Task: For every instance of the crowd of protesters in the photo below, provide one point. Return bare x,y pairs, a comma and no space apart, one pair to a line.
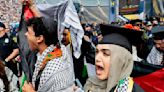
10,11
58,70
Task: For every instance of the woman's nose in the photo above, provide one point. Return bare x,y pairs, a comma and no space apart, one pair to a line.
98,57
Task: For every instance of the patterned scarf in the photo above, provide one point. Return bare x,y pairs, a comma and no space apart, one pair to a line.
40,58
57,73
123,85
155,57
56,53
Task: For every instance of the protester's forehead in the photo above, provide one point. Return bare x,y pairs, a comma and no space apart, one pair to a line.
102,46
66,30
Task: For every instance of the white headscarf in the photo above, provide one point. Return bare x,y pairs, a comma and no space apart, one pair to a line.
121,66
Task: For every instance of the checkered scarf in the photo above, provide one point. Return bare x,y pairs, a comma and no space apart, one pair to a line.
155,57
123,85
57,74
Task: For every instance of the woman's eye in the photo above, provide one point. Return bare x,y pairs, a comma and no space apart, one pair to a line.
106,54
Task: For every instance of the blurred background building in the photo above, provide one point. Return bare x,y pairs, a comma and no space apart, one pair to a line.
10,11
100,11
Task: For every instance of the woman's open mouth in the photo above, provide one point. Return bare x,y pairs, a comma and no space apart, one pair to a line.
99,69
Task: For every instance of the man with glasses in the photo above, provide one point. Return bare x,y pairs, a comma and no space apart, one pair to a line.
156,56
136,23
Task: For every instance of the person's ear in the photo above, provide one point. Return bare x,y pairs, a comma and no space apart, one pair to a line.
39,39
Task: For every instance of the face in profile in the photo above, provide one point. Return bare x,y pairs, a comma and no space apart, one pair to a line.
31,38
2,31
102,61
66,37
159,44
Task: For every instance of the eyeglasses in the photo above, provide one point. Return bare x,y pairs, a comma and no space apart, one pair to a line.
138,24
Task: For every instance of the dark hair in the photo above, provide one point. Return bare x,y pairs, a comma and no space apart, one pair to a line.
45,27
88,25
3,76
67,28
2,25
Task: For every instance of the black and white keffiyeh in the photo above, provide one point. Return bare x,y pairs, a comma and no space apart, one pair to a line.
155,57
123,87
57,73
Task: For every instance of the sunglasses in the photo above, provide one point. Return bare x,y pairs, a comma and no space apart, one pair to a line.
138,24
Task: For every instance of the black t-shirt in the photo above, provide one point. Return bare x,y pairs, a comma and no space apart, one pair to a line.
6,46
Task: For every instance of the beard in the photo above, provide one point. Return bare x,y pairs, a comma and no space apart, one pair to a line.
162,51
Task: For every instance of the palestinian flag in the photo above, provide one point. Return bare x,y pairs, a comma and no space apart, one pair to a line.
25,53
66,16
149,77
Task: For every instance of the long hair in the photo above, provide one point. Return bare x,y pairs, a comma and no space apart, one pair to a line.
3,76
